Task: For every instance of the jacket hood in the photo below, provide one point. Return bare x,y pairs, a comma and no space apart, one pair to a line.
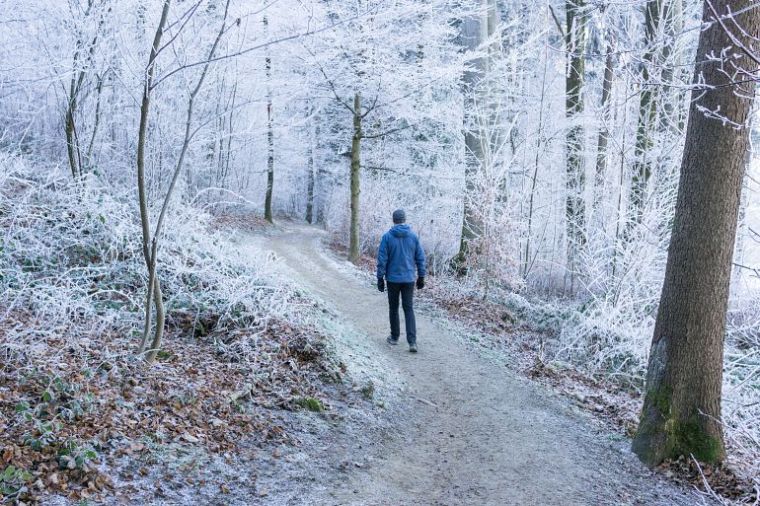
401,230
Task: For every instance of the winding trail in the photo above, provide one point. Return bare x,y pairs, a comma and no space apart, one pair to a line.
466,430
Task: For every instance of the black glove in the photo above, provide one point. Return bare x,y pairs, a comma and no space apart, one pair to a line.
381,284
420,283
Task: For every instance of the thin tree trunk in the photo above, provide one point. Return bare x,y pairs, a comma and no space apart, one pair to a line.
310,174
661,18
575,214
353,245
96,125
621,191
600,173
681,413
230,132
77,79
319,195
152,256
527,265
475,31
141,190
72,148
673,25
270,139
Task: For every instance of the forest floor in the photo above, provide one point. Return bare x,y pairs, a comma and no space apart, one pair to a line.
450,425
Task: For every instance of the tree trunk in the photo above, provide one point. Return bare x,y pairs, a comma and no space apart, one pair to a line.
270,139
662,17
600,172
668,117
642,166
141,189
96,122
742,225
310,175
528,261
681,412
83,55
474,32
319,194
353,246
575,213
152,256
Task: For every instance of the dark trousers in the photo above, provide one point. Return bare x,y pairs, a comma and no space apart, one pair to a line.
406,290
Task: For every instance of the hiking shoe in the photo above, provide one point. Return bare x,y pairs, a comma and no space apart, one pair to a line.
391,340
412,348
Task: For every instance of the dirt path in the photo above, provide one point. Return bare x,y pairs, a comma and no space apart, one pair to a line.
466,431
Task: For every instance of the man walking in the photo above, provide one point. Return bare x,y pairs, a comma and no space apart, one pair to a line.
401,261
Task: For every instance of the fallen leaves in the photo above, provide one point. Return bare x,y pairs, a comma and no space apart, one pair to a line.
65,418
719,478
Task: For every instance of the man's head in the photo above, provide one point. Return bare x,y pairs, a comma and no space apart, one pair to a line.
399,216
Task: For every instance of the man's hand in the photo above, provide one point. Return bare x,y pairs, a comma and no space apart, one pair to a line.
420,283
381,284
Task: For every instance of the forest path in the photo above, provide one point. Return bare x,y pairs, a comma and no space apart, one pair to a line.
469,432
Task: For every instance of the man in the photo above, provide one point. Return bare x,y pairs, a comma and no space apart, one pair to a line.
401,261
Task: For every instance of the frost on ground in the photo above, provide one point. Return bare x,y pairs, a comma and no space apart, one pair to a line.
274,385
596,356
458,428
594,353
244,359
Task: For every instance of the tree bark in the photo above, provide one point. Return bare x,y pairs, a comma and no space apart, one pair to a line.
353,245
681,412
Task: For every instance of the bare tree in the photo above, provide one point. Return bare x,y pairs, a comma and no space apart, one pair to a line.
151,240
84,53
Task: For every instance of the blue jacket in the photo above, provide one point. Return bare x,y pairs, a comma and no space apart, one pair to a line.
400,251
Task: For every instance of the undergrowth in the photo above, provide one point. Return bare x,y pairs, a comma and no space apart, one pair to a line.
75,403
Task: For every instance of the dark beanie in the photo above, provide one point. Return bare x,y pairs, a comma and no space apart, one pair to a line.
399,216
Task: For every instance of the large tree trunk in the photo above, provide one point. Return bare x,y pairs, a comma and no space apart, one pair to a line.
353,246
681,413
575,213
270,139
